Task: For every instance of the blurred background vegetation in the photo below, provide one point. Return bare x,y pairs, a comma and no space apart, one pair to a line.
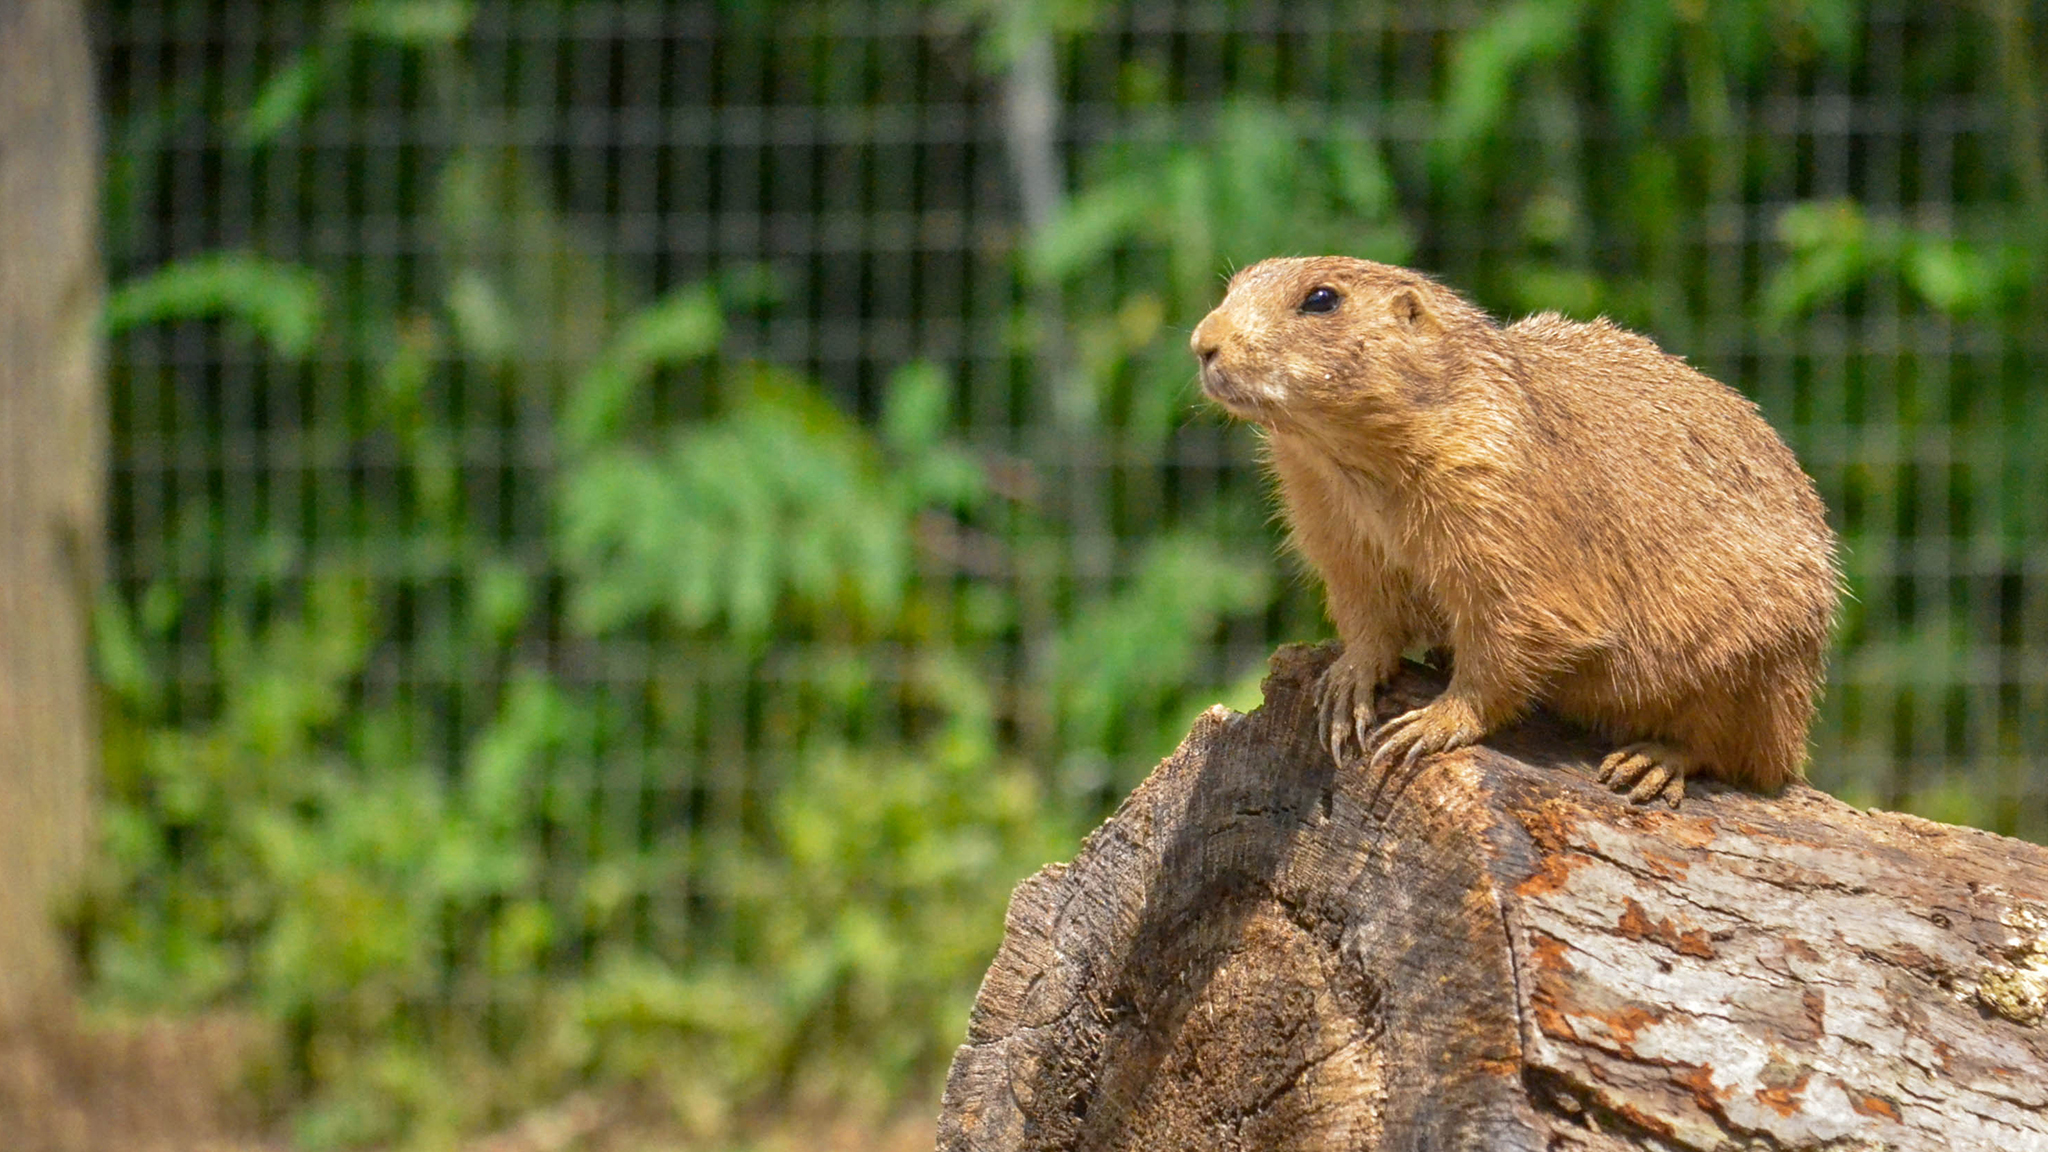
634,524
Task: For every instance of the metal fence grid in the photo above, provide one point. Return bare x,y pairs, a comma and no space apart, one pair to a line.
862,152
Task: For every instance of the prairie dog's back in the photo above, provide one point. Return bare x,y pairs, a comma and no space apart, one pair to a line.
1690,488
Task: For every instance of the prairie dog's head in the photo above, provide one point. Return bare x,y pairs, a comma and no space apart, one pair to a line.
1322,339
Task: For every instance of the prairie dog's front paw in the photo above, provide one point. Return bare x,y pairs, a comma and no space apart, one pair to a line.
1344,706
1441,725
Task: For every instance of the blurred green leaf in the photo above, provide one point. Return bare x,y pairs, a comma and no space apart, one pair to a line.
285,98
1834,248
281,303
782,502
118,657
483,320
1090,226
500,602
1138,648
1486,63
683,326
1834,26
1950,276
1266,181
1542,285
1829,252
1641,38
914,413
1005,27
505,760
413,23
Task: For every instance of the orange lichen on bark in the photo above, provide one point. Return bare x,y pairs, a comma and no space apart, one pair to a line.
1783,1099
1637,925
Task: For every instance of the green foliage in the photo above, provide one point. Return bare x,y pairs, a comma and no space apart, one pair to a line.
412,23
1004,27
286,96
282,692
409,917
1835,248
280,304
1267,181
685,326
1643,46
778,515
1126,663
295,87
1264,182
303,853
861,923
1524,35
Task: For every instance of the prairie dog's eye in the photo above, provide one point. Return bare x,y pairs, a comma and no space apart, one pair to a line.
1321,299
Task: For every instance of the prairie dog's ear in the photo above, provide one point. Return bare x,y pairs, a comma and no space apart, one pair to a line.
1412,311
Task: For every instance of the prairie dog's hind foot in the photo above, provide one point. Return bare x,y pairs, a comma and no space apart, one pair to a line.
1647,770
1346,694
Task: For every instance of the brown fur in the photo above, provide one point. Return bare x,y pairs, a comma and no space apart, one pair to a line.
1584,520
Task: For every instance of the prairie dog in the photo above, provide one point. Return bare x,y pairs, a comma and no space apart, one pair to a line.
1582,519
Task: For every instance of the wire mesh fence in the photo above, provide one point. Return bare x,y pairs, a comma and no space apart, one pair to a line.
628,438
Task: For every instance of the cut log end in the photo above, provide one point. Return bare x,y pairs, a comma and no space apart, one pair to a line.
1261,951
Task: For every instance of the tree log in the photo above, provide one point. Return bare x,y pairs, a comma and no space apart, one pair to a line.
1259,950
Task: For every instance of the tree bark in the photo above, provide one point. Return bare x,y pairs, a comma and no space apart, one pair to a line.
1259,950
51,469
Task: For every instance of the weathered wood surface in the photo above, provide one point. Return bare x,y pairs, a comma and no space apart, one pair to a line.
1260,951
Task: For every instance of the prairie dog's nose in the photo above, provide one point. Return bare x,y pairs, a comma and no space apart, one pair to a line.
1208,337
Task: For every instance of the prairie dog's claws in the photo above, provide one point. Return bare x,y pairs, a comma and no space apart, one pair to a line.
1344,711
1389,743
1651,785
1438,726
1646,771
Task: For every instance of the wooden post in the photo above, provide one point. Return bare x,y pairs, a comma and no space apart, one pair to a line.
51,477
1260,951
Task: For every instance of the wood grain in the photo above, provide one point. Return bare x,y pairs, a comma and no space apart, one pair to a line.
1260,951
